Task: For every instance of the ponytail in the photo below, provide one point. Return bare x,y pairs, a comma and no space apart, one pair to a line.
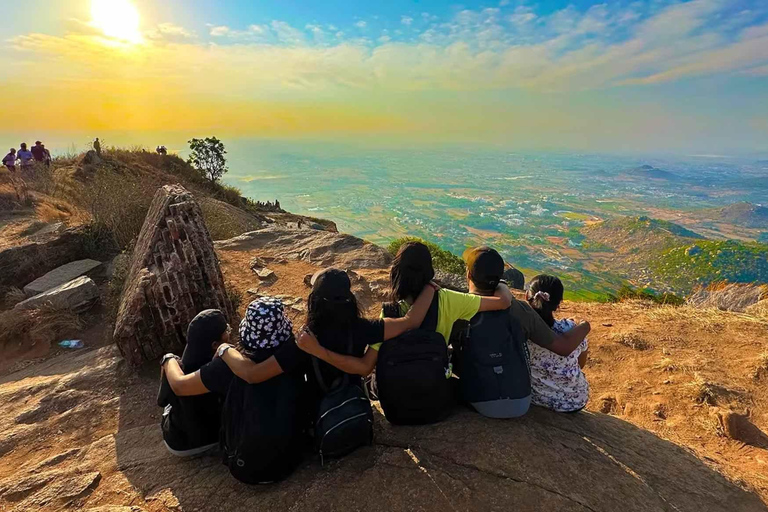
545,293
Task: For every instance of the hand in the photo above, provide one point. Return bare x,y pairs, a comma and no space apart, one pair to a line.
222,349
307,342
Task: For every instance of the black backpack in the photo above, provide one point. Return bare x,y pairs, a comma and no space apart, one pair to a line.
411,374
494,360
344,418
262,428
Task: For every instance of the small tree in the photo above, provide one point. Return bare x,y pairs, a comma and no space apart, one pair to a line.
207,156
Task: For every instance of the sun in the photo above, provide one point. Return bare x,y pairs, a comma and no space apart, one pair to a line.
116,18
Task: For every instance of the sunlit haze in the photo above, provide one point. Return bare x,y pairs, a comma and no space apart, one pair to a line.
688,77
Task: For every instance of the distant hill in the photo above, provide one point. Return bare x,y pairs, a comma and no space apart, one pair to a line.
650,172
669,257
744,214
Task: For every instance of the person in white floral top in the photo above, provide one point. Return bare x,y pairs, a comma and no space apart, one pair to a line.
557,382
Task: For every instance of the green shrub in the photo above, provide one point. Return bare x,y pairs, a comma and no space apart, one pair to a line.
441,259
627,292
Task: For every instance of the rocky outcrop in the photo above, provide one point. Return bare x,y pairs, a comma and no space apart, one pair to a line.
514,278
322,248
59,276
110,454
76,295
22,264
174,274
728,297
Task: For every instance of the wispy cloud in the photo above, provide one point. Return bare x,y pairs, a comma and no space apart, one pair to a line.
510,48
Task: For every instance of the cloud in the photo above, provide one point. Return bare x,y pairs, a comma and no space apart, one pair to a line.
361,24
406,20
219,31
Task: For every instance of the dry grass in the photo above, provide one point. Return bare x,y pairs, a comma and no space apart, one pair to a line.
710,319
667,365
761,369
631,340
702,391
43,325
13,297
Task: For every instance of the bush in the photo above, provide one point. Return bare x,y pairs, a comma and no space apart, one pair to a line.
627,292
441,259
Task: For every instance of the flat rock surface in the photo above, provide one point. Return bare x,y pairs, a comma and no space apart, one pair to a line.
59,276
81,432
321,248
74,295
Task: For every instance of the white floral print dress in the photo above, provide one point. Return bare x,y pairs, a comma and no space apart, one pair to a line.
557,382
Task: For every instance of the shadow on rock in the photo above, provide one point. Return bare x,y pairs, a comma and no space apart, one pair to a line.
544,461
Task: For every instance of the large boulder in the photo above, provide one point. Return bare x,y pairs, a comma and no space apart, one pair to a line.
23,263
514,278
174,274
76,295
59,276
322,248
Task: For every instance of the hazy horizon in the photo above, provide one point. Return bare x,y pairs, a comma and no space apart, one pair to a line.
643,76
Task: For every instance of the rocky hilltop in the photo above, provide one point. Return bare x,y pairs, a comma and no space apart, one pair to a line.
676,420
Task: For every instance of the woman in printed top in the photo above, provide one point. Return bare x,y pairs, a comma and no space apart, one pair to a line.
333,319
193,386
410,277
557,381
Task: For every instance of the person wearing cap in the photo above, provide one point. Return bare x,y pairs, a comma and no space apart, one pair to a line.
411,279
38,151
201,377
485,268
334,319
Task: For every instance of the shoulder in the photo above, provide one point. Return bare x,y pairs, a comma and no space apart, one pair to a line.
563,325
522,311
369,332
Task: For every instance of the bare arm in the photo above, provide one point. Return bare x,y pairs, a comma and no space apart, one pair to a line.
502,299
394,327
583,359
251,372
181,384
567,342
348,364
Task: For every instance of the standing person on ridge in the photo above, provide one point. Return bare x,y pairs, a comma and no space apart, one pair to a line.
97,146
9,160
38,151
25,156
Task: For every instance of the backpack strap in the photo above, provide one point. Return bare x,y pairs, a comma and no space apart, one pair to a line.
319,375
512,323
430,320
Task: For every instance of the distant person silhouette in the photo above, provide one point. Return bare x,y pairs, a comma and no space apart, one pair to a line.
9,160
46,156
161,150
24,155
97,146
38,151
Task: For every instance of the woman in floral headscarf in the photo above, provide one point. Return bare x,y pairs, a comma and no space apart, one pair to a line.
266,339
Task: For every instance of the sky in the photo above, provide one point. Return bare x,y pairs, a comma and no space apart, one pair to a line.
647,75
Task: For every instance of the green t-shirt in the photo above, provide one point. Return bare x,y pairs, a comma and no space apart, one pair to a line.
451,306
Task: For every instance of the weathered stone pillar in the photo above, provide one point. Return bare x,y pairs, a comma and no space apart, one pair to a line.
174,274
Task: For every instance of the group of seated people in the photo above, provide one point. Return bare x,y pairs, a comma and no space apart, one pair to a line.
276,396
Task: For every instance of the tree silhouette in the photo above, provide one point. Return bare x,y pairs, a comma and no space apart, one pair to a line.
207,156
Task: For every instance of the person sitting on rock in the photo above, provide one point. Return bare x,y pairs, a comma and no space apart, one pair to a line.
411,276
9,160
194,384
502,389
333,317
557,379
